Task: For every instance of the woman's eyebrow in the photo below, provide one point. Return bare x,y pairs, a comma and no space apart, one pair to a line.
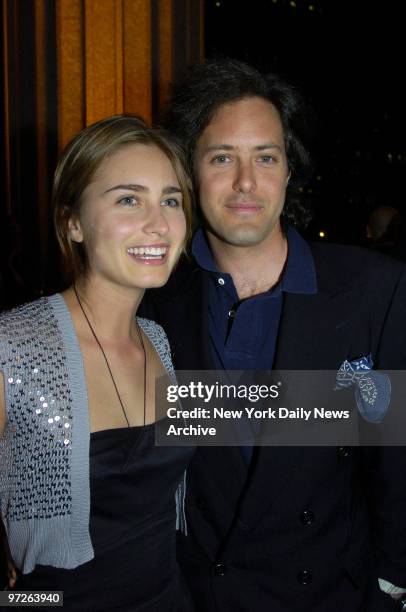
129,186
171,189
142,188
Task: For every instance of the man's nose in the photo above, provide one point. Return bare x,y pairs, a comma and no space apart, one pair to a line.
244,180
156,222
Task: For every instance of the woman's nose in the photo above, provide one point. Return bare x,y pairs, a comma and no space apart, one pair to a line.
156,222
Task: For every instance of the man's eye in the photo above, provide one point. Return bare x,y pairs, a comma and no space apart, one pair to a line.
128,201
267,159
220,159
171,202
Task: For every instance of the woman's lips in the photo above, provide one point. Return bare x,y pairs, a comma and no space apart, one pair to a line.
149,255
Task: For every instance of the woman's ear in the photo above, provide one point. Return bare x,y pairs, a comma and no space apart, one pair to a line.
75,230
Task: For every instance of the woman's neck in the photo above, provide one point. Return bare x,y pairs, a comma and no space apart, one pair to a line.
110,309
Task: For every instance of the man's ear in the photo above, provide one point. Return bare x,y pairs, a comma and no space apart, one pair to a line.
75,229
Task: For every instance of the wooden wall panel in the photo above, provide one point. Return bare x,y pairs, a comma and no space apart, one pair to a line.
41,109
165,37
22,266
178,42
187,35
6,36
70,69
193,33
137,58
108,62
66,64
103,30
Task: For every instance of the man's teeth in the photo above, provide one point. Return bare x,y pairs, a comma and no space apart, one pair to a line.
147,251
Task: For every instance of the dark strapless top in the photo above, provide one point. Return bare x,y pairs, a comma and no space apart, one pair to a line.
132,528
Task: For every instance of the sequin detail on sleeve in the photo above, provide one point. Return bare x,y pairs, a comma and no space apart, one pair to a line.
36,446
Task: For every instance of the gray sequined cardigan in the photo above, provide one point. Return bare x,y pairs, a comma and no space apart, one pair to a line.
44,452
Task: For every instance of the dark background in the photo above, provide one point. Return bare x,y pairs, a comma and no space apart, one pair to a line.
346,56
348,59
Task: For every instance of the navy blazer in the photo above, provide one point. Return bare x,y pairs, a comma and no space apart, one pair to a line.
307,529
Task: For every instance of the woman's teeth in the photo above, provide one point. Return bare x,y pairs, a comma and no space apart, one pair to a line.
150,252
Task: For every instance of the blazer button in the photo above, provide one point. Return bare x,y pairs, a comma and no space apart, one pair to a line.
219,569
307,517
304,577
243,526
201,503
343,452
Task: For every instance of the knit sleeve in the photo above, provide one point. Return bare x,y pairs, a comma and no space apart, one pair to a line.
159,340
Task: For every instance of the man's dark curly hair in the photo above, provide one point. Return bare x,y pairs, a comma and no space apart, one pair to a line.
208,86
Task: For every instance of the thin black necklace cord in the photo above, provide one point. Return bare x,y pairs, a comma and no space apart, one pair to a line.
107,363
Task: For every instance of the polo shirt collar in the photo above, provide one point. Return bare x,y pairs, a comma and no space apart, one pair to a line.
299,275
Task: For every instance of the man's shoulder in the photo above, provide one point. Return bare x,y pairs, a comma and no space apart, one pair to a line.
354,265
338,253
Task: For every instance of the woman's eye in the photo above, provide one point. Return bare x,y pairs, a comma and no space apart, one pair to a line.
171,202
128,201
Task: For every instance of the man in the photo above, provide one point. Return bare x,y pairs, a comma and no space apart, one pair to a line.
289,529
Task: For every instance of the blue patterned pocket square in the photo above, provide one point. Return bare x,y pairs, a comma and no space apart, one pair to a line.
372,389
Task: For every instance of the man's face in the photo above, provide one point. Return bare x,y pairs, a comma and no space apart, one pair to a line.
242,172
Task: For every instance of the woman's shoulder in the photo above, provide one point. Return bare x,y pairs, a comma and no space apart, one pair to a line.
26,321
159,340
153,330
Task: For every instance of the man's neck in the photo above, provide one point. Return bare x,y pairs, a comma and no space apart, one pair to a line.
254,269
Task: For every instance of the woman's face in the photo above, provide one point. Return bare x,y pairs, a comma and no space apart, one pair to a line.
131,219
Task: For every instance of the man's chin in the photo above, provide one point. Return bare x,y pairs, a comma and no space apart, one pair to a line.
246,238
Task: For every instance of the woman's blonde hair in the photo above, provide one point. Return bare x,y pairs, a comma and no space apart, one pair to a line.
80,160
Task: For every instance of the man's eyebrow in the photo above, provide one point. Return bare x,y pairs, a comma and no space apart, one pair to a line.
142,189
219,147
268,145
226,147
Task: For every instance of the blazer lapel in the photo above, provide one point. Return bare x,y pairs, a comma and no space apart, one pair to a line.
317,331
183,312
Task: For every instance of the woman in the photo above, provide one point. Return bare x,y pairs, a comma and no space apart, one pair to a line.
87,498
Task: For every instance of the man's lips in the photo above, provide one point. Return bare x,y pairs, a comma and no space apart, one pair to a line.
244,208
